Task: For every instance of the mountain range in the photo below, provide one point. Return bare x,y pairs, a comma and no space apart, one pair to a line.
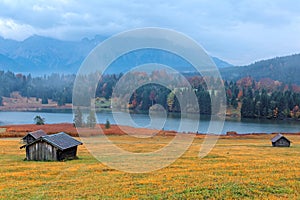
40,55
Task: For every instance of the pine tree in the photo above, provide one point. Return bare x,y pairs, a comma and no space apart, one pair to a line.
78,120
44,100
247,110
91,119
107,124
39,120
234,103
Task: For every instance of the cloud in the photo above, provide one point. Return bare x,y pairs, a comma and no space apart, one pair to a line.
9,27
237,31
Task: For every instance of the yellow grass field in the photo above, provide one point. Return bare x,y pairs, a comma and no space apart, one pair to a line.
242,167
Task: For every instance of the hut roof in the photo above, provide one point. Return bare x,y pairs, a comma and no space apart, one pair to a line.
277,137
36,134
60,140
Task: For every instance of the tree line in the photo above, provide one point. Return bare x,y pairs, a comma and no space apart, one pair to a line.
252,99
56,87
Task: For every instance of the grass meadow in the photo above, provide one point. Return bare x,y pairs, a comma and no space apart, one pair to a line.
239,167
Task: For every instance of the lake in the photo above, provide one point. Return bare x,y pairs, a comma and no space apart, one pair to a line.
171,123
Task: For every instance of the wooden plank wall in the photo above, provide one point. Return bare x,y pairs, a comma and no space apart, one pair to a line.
41,151
68,153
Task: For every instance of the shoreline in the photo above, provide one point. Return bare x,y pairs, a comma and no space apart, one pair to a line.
20,130
69,108
34,109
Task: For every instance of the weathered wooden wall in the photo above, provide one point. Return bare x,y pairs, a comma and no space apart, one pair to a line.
28,139
282,142
41,151
67,154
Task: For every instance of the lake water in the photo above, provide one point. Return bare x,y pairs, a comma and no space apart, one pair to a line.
171,123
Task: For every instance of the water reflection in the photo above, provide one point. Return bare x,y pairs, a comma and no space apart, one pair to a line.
171,122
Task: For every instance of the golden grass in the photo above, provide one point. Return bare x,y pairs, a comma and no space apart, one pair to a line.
237,168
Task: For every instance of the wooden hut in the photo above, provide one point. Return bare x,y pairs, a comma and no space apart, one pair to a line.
59,147
280,141
32,136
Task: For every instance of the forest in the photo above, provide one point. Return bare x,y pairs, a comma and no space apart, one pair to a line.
266,98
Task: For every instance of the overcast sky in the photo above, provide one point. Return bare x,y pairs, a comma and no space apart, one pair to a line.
238,31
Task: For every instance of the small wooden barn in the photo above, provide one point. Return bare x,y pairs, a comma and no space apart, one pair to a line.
32,136
58,147
280,141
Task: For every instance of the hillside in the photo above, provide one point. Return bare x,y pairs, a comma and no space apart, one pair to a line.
284,69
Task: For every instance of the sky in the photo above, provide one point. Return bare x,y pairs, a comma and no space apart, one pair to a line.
239,32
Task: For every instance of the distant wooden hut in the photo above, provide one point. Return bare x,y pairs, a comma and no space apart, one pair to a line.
32,136
280,141
231,133
58,147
